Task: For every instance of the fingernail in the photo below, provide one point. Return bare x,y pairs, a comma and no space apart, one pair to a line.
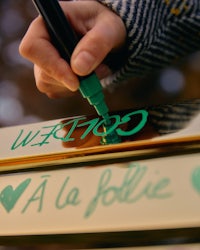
83,63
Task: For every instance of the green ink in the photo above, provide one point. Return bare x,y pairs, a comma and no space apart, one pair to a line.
74,125
150,190
130,190
135,130
104,180
71,198
108,132
92,124
38,195
131,182
9,196
196,179
157,189
25,141
110,129
52,132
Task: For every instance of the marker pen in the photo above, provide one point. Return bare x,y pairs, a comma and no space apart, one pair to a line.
65,40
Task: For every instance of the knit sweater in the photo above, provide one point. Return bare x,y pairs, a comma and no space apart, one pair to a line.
174,117
158,33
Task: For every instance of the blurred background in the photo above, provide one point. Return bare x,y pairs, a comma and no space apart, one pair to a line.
21,102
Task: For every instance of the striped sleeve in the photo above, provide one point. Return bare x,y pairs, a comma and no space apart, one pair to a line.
158,33
171,118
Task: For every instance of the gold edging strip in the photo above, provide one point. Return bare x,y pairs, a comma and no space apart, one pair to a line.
137,150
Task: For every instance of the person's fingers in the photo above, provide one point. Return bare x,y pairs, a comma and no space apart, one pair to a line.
101,31
108,33
48,85
37,48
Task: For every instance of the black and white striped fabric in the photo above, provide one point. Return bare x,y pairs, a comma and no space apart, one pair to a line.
158,32
171,118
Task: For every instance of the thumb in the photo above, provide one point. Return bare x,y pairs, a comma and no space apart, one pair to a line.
94,46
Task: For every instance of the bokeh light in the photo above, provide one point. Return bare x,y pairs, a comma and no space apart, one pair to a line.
11,22
172,81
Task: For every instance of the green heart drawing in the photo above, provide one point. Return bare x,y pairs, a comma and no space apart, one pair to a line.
10,196
196,179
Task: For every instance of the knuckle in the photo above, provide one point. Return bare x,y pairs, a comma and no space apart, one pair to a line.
44,77
42,86
42,81
55,70
52,95
25,48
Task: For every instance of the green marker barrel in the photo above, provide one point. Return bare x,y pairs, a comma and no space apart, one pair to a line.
91,89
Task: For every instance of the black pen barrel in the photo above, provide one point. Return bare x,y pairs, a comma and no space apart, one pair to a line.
62,35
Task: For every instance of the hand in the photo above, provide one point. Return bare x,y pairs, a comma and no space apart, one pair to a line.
102,31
